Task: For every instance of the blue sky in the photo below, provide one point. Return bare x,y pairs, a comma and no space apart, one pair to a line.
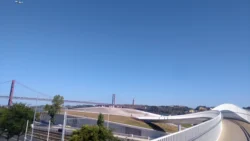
158,52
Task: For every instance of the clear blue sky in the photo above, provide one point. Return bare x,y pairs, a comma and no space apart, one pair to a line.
162,52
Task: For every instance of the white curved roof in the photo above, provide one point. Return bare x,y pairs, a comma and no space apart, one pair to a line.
229,107
234,112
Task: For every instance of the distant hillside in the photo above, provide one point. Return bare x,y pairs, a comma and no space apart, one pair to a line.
164,110
78,106
203,108
247,108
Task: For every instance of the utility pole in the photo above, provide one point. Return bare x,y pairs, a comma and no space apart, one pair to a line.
48,131
25,136
34,118
108,122
64,124
179,127
113,100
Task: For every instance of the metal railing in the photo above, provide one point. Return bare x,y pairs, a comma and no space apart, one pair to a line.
131,136
206,131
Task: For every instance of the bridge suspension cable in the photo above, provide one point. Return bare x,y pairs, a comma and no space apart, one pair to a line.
5,82
49,98
33,90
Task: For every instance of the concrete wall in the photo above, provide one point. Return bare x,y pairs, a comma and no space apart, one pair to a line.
115,127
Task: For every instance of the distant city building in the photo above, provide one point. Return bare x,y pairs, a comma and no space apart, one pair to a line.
202,109
191,111
113,100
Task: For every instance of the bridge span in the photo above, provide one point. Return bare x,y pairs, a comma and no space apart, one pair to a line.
11,95
48,99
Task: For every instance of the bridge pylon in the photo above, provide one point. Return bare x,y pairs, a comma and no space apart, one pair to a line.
11,92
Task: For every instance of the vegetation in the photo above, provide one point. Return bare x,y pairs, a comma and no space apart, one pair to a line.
13,120
78,106
55,107
186,125
38,116
100,120
202,108
94,133
165,110
170,110
246,108
2,109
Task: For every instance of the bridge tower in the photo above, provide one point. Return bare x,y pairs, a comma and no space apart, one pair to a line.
113,100
11,92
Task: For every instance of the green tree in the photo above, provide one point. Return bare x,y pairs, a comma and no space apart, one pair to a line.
3,118
93,133
105,134
13,120
55,108
38,116
58,101
100,121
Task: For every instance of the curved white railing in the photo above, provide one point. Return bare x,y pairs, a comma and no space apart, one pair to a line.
205,114
233,112
206,131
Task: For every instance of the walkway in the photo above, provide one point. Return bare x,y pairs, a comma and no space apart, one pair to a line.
233,130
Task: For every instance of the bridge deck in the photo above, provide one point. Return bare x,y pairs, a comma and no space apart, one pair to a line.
48,99
233,130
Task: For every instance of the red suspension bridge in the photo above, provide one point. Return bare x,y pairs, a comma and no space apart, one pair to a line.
11,96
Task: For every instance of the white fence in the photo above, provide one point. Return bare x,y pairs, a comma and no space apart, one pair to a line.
207,131
194,118
132,136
